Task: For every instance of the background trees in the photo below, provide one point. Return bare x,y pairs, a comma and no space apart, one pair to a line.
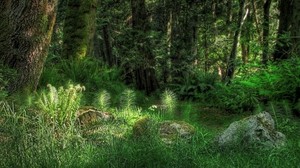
155,44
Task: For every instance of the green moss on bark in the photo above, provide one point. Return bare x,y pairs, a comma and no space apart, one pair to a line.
79,28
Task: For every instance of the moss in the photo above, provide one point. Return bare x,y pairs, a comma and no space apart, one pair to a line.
79,28
172,130
142,127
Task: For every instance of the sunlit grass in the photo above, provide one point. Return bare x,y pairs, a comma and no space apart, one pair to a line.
34,142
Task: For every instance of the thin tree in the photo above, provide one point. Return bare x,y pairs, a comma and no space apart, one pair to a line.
266,31
232,57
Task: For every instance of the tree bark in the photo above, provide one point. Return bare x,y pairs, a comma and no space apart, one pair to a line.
183,48
232,58
245,36
79,29
145,75
282,48
108,56
25,34
266,31
296,28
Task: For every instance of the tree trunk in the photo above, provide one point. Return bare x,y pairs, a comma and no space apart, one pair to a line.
145,77
109,58
25,34
57,39
232,58
282,48
296,28
183,48
79,29
245,36
266,31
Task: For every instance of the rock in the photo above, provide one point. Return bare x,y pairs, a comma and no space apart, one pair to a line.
142,127
169,131
88,115
254,130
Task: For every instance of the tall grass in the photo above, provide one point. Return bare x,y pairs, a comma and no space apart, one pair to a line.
44,135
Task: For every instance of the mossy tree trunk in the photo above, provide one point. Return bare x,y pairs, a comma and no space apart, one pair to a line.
266,31
145,75
25,33
79,29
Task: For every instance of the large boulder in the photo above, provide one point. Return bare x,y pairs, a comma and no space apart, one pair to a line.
254,130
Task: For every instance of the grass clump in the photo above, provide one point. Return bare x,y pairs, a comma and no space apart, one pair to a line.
103,100
169,101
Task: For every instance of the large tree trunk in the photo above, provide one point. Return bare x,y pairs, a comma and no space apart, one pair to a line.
266,31
25,34
79,29
232,58
145,77
282,48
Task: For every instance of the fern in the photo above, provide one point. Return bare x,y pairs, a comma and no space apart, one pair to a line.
60,106
128,99
169,101
103,100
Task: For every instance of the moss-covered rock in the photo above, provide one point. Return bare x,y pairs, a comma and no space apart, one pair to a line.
169,131
142,127
89,115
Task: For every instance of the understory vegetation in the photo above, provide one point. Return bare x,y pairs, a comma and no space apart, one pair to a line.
41,129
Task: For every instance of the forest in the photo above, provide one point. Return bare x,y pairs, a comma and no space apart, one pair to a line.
150,83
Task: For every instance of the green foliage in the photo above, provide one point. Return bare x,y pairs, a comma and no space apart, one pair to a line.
276,82
234,98
195,84
103,100
169,101
89,72
60,106
128,99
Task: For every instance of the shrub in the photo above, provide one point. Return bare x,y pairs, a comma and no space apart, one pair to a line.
194,84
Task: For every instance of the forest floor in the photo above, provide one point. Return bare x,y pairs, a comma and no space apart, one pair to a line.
38,149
